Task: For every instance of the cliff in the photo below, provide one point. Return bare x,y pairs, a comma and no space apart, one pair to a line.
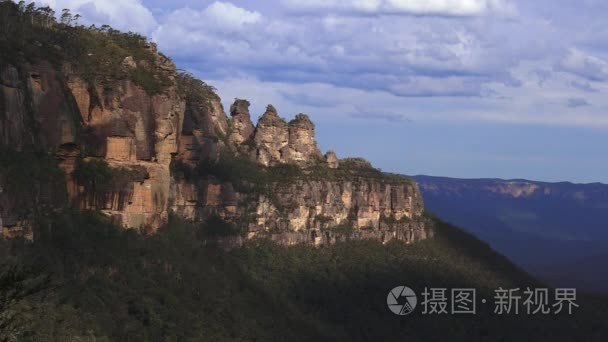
137,140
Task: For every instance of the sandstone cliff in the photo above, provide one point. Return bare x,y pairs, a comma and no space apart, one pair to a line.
140,140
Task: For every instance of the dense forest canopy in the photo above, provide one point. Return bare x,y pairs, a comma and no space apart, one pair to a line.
93,281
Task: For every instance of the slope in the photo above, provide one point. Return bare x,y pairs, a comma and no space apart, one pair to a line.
109,284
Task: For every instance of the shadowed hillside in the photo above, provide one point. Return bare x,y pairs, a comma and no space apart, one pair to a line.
114,285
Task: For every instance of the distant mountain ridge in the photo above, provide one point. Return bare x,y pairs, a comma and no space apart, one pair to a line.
547,228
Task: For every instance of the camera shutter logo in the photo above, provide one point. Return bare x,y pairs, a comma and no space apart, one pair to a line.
401,300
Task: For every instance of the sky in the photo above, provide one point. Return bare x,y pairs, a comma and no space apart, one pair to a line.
460,88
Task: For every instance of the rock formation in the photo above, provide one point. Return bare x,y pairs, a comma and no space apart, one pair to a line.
279,142
271,138
303,148
332,160
166,139
242,127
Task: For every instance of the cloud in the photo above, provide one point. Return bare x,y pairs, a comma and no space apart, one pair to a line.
542,75
308,99
584,86
229,15
185,23
401,7
416,56
439,59
375,116
584,65
128,15
577,102
434,87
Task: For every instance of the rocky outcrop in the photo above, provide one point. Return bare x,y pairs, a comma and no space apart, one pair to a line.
171,138
332,160
116,120
242,127
271,138
279,142
36,110
129,127
205,124
321,204
14,118
314,211
303,148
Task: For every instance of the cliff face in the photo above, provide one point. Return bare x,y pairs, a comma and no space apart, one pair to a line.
312,210
124,149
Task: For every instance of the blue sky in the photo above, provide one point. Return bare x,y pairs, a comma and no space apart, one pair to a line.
463,88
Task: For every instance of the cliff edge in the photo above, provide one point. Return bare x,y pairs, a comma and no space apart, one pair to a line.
138,140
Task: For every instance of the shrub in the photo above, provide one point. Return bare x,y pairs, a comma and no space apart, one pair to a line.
31,180
215,226
323,219
152,83
392,220
98,177
342,229
246,175
181,170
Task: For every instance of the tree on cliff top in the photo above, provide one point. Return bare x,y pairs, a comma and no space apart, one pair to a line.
30,34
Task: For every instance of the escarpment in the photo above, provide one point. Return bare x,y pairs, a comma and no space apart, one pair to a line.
141,140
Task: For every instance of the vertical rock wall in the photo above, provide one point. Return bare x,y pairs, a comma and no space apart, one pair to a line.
132,129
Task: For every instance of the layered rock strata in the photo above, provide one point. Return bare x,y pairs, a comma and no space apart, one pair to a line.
119,122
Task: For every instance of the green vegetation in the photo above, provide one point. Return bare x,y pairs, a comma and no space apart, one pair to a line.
2,108
32,180
392,220
195,90
353,168
31,35
215,226
246,175
343,229
117,285
150,82
98,177
181,170
249,177
17,284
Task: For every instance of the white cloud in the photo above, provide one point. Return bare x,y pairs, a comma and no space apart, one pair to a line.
579,63
416,56
554,104
446,7
426,65
422,86
229,15
401,7
128,15
213,30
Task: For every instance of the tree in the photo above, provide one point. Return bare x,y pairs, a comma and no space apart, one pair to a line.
66,17
17,283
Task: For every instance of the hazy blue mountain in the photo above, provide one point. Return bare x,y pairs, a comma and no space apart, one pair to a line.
557,231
